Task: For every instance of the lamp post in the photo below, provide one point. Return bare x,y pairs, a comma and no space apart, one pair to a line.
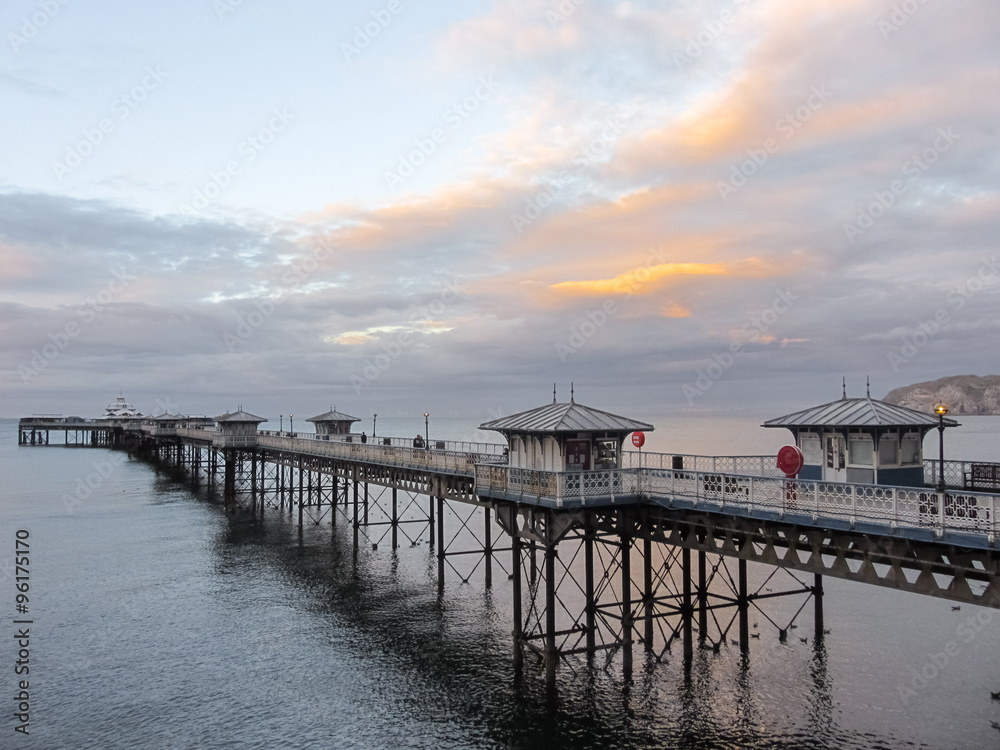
940,410
281,424
427,436
374,417
291,424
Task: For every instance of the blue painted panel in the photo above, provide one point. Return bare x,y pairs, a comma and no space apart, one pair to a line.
907,476
811,472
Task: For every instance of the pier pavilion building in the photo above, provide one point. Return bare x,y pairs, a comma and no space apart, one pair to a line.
565,437
862,440
333,422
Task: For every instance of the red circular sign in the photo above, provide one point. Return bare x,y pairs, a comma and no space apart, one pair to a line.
638,439
790,460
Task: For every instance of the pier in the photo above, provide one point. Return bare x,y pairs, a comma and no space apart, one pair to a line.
633,550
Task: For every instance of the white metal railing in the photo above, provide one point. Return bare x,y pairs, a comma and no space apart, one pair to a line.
232,441
455,462
892,506
956,473
198,433
493,449
974,512
760,466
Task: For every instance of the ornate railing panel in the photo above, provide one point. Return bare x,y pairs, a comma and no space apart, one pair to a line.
972,512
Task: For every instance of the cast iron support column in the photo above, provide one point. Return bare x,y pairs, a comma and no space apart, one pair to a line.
281,485
647,594
263,483
300,493
229,481
334,491
533,556
702,599
588,586
551,655
743,602
626,550
488,549
818,596
687,607
395,518
356,522
430,520
253,482
440,541
516,580
366,503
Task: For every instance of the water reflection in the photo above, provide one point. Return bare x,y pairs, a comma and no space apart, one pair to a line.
369,633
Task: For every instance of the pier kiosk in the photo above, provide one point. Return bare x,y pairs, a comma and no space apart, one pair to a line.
861,440
565,437
333,422
237,429
566,453
237,432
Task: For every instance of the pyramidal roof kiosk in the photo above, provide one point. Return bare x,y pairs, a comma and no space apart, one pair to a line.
861,440
237,428
565,437
333,422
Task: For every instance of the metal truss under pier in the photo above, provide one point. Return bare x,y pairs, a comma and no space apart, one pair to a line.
588,581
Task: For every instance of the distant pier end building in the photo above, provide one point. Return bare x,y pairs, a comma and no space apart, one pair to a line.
861,440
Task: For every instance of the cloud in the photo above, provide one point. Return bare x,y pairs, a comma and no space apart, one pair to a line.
633,280
610,147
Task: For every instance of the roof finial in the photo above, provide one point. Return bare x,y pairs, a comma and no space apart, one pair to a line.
843,395
571,392
553,393
868,386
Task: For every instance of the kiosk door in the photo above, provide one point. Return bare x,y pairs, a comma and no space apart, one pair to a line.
835,466
577,455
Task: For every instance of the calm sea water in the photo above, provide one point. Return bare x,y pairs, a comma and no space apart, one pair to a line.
159,622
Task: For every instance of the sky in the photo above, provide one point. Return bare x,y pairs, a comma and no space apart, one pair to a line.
678,207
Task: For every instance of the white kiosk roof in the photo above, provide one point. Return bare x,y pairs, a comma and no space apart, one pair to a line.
571,417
